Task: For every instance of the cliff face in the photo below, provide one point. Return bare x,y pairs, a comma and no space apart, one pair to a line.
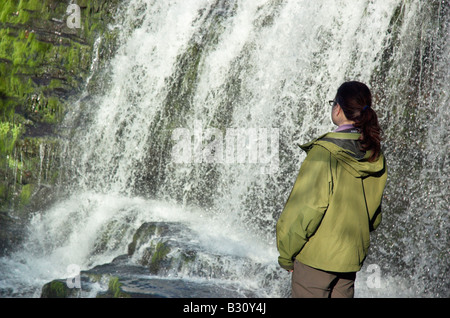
46,54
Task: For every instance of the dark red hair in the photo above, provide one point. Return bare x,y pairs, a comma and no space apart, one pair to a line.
355,100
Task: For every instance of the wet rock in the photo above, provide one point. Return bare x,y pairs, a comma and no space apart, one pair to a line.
163,260
157,246
170,250
10,233
123,279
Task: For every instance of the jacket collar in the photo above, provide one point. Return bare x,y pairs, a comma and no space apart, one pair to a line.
345,148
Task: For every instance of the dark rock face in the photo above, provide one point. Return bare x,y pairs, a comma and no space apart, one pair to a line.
10,231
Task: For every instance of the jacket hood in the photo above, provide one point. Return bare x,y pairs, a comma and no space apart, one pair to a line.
345,148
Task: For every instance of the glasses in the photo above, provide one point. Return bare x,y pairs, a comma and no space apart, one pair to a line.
332,103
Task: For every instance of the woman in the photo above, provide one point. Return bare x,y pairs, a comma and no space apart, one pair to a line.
323,231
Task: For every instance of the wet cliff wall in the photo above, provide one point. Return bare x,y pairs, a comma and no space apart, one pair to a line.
46,55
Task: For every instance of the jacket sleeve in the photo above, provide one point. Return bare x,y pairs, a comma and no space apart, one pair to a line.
305,206
376,220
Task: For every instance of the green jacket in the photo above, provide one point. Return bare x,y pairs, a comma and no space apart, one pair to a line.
334,204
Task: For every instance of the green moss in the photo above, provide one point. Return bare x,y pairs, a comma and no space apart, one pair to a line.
160,253
53,111
55,289
6,44
25,195
9,133
145,231
35,55
59,289
34,5
7,8
23,170
110,236
188,256
38,51
39,71
14,164
114,288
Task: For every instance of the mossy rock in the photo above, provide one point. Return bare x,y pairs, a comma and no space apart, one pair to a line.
114,289
59,289
155,257
145,233
153,246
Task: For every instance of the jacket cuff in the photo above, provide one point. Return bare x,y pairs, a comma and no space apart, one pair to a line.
285,263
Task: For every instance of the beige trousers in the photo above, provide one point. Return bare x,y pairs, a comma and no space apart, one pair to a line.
308,282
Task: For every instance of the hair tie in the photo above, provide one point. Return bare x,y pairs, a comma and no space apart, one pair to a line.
365,107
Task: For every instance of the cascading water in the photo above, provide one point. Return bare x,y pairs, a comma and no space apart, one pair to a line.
198,121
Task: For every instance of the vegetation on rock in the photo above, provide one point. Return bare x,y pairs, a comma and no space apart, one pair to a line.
44,65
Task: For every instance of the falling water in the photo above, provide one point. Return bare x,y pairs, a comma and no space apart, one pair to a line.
264,68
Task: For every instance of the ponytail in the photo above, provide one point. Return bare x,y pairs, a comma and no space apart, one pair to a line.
370,132
355,100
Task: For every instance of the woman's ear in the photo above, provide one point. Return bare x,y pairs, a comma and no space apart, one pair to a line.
338,109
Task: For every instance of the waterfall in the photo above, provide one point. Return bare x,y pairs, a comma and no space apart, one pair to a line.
198,117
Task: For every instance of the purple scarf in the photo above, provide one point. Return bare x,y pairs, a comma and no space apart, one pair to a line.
344,127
